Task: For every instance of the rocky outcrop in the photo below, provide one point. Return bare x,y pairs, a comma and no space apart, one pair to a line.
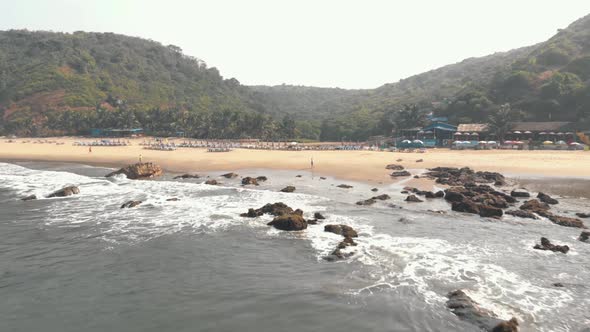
468,310
394,167
343,230
323,178
288,189
139,171
230,175
275,209
369,201
561,220
173,199
547,245
461,176
400,174
382,197
419,160
318,216
583,215
546,198
249,181
413,199
29,198
289,222
520,193
212,182
344,186
488,211
130,204
535,205
261,178
187,176
522,214
66,191
374,190
584,236
465,206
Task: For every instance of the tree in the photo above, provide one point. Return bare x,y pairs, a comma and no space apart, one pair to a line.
499,122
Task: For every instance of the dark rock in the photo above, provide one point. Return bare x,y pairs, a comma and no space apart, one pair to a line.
489,199
139,171
561,220
374,190
557,284
212,182
534,206
288,189
345,186
546,198
399,160
468,310
439,194
506,197
66,191
419,160
583,215
490,211
299,212
466,206
318,216
322,177
416,176
413,199
261,178
547,245
454,195
186,176
275,209
460,176
369,201
173,199
249,181
521,193
298,175
584,236
130,204
289,222
395,167
230,175
382,197
312,221
404,192
522,214
400,173
343,230
29,198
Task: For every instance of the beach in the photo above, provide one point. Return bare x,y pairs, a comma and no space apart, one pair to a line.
363,165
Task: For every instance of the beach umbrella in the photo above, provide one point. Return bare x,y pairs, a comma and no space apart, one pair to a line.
421,132
547,142
561,142
483,142
508,142
429,132
575,143
542,133
417,141
569,133
474,134
552,133
492,142
406,141
457,133
560,133
519,142
517,132
527,132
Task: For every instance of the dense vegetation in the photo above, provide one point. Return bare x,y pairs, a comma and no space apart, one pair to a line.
56,83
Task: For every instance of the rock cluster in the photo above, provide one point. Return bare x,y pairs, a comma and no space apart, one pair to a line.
453,176
139,171
547,245
288,189
130,204
373,200
348,233
468,310
66,191
187,176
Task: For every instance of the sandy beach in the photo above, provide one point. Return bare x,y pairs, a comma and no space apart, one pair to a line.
352,165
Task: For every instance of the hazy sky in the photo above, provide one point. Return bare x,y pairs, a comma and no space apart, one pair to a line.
329,43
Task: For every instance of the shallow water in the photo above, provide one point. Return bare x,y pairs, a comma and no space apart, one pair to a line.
82,263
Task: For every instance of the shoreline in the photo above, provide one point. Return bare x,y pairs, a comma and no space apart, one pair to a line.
362,166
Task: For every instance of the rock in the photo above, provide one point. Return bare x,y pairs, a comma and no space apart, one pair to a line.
212,182
547,245
557,284
298,175
249,180
399,160
289,222
522,214
139,171
413,199
460,176
130,204
521,193
416,176
312,221
534,205
318,216
546,198
465,206
506,197
395,167
419,160
348,241
374,190
337,254
261,178
400,173
382,197
66,191
583,215
561,220
288,189
584,236
186,176
343,230
490,211
322,177
369,201
173,199
345,186
230,175
454,196
275,209
29,198
439,194
489,199
468,310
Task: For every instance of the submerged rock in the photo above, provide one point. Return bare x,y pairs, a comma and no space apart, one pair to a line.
66,191
468,310
583,215
261,178
369,201
534,205
288,189
413,199
345,186
289,222
318,216
546,198
130,204
230,175
490,211
249,181
521,193
187,176
394,167
547,245
173,199
343,230
29,198
374,190
139,171
275,209
400,174
522,214
212,182
584,236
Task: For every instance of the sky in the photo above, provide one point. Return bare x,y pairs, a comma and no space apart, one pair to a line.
327,43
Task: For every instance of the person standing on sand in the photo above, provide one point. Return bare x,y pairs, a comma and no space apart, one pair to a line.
311,162
140,158
89,149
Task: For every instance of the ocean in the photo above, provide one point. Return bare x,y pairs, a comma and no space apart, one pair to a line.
81,263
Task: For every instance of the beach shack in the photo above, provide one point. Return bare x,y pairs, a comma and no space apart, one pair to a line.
98,132
437,134
472,136
553,131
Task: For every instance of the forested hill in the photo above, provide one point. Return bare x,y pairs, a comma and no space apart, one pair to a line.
57,83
